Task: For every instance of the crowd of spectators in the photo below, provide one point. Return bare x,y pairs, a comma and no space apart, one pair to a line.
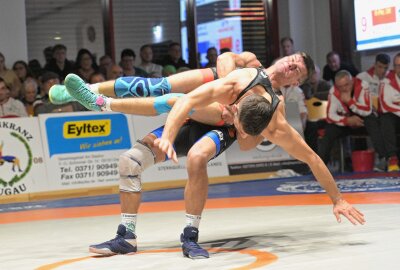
365,102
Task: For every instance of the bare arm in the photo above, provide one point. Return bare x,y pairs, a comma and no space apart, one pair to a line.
229,61
288,138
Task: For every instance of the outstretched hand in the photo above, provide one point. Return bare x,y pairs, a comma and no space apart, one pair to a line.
341,207
166,146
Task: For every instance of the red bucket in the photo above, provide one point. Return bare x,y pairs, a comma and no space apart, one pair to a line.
363,161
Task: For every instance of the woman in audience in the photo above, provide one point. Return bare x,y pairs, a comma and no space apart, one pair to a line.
85,64
22,71
9,77
30,95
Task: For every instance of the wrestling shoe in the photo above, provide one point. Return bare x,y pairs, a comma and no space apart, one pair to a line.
393,164
190,248
123,243
58,94
78,89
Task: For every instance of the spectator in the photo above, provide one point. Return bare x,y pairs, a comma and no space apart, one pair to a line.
212,55
59,64
22,71
105,63
333,65
30,95
114,72
48,54
287,46
128,64
296,95
8,105
389,100
10,78
349,108
96,78
168,70
44,105
146,55
316,87
224,50
85,64
35,68
174,57
377,73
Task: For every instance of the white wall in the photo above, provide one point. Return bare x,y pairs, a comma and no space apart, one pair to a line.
67,19
13,31
134,20
308,24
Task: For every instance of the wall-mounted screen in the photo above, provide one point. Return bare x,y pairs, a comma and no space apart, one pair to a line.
216,27
377,24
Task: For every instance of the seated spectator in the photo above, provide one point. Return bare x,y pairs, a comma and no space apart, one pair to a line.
182,69
35,68
296,95
114,72
85,64
224,50
48,54
316,87
212,56
22,71
59,64
376,73
287,46
168,70
45,106
389,100
30,95
174,57
10,78
96,78
349,108
128,64
146,55
105,63
8,105
334,64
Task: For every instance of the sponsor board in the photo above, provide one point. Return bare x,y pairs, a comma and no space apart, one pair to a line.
83,149
22,167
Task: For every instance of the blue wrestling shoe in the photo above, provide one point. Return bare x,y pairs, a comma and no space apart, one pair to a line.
190,248
58,94
123,243
78,89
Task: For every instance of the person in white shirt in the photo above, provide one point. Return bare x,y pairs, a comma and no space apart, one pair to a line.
146,54
8,105
375,74
350,108
295,94
389,101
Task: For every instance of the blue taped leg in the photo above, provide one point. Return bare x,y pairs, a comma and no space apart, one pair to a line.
161,103
141,87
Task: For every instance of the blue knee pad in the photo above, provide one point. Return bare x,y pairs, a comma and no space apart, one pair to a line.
141,87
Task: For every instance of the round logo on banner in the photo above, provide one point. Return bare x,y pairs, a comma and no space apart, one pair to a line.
15,163
266,146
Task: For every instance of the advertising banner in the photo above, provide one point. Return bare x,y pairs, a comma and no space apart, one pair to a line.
266,157
82,150
22,168
169,170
